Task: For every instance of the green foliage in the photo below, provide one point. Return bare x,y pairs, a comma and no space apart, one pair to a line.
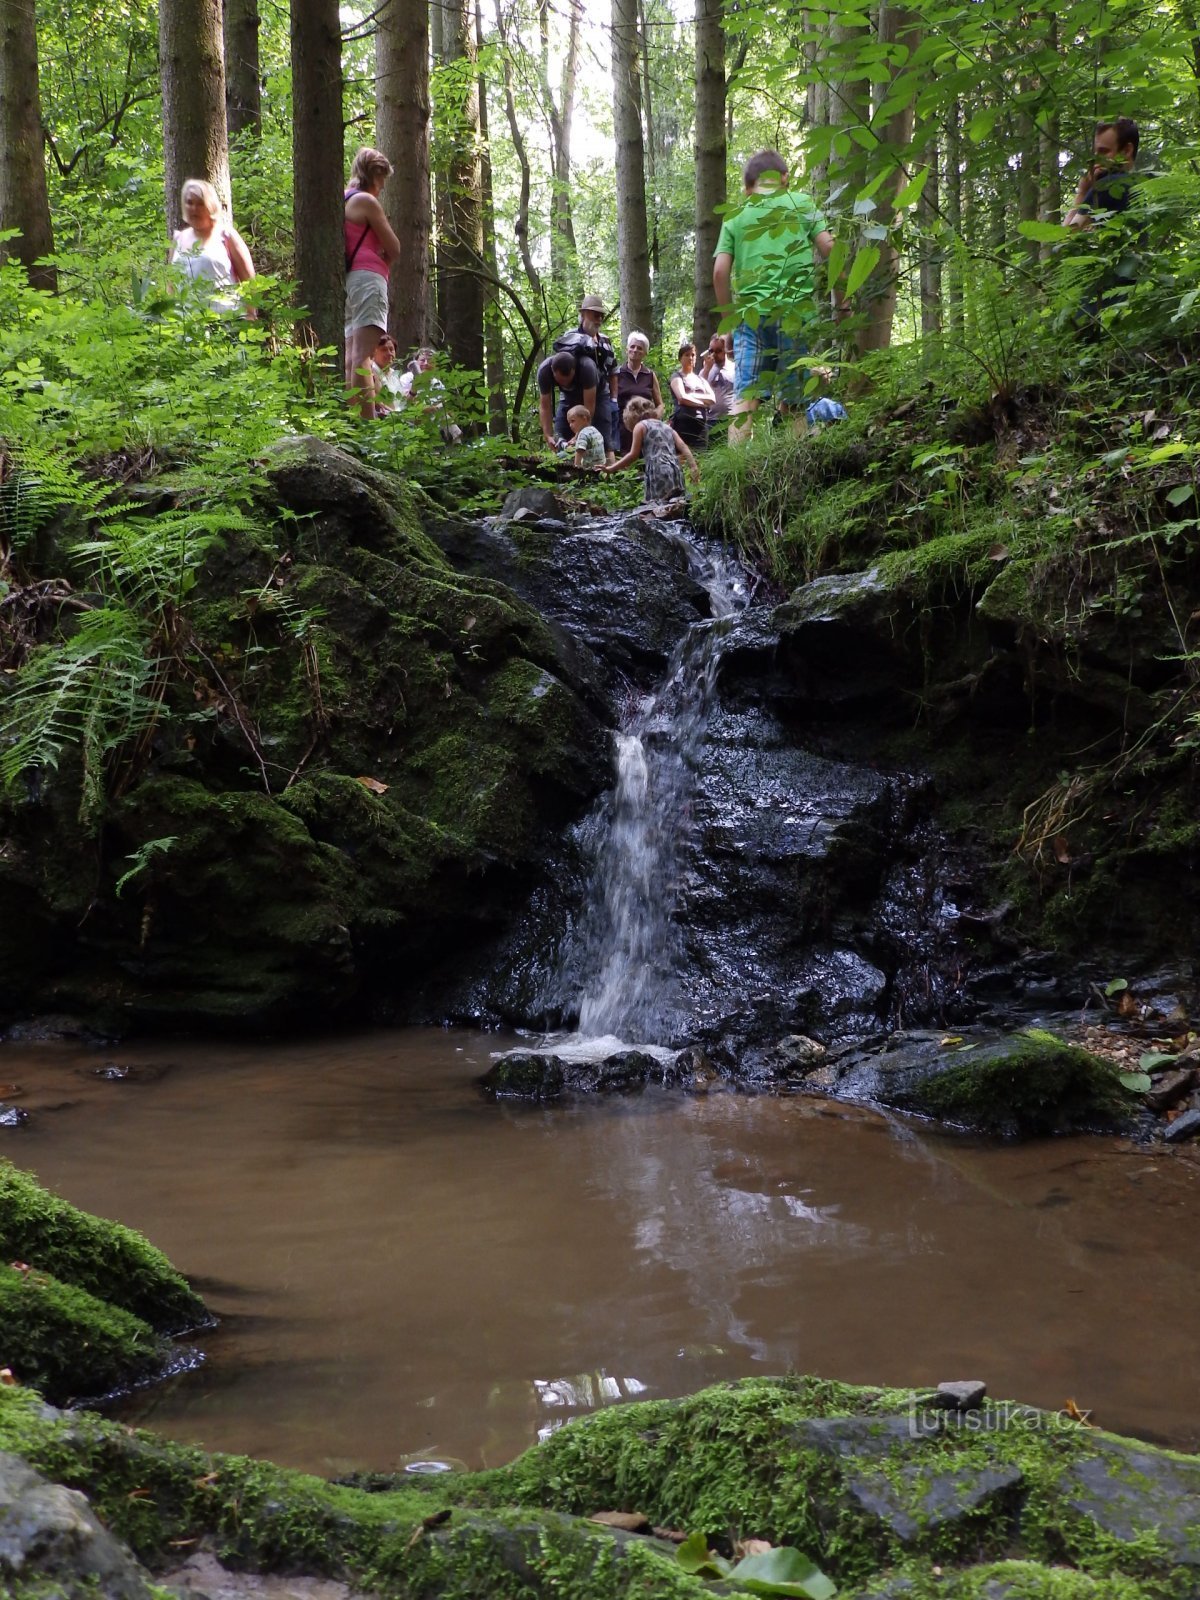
781,1570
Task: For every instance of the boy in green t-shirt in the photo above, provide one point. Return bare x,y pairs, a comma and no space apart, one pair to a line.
766,262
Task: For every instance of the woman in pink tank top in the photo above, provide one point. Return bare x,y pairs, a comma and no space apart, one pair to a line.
371,248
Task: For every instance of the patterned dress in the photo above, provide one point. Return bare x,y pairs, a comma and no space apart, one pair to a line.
664,480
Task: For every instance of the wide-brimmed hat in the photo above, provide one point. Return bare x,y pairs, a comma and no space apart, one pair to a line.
593,302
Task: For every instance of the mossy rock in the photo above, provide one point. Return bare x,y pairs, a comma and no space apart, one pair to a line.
107,1260
67,1344
1034,1084
782,1459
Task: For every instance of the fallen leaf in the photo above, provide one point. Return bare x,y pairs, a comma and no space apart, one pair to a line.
1062,850
951,1038
423,1527
998,552
1127,1006
754,1547
7,1379
629,1521
1070,1409
468,624
674,1535
374,785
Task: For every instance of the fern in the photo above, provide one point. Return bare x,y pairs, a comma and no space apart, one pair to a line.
97,690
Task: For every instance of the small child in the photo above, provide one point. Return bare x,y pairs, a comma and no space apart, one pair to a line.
589,441
660,447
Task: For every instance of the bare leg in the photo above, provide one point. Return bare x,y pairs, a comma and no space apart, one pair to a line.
741,420
360,383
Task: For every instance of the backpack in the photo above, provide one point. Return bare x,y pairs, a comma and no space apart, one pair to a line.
599,350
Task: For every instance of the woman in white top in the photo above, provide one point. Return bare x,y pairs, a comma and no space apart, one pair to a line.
208,251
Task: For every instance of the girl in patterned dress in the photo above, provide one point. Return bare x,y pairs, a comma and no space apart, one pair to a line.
661,450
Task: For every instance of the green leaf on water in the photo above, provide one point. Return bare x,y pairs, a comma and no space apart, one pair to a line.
1136,1082
783,1571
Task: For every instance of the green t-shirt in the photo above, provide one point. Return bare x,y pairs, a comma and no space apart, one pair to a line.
771,242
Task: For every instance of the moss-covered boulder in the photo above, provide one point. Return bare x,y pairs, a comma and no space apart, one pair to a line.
889,1496
109,1261
1022,1084
361,758
85,1304
69,1345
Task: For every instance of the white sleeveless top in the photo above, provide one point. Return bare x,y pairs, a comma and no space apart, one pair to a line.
206,262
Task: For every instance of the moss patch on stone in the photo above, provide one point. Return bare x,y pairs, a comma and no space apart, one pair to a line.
798,1461
68,1344
1037,1084
107,1260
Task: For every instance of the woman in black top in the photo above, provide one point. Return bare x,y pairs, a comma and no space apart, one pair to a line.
693,399
634,381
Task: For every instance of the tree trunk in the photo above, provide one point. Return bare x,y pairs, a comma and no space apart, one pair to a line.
711,161
460,248
493,320
633,245
655,331
243,83
564,261
402,129
954,214
896,27
191,64
319,210
521,225
23,202
931,255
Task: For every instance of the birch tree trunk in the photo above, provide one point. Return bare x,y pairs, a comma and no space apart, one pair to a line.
931,256
318,208
633,244
711,161
955,214
402,129
243,85
23,201
191,61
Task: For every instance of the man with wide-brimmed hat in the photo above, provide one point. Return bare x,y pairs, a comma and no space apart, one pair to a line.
587,340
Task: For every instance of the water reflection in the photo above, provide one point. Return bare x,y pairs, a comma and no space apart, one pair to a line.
409,1272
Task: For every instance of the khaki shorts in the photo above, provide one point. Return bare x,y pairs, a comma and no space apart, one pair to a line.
366,301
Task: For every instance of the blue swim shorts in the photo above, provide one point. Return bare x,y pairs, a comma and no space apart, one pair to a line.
764,358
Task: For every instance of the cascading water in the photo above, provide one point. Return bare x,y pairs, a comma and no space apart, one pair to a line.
625,966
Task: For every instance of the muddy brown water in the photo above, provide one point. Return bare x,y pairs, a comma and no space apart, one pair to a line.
408,1272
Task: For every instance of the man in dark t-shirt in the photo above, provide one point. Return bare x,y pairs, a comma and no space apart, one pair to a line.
574,379
1107,185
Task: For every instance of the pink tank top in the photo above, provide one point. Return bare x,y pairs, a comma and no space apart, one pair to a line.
362,247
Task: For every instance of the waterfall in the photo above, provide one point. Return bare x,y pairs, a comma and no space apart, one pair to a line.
626,966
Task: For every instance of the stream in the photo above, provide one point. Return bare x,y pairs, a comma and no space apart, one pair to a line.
406,1271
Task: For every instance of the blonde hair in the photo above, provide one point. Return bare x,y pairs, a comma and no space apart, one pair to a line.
368,165
202,190
580,411
638,409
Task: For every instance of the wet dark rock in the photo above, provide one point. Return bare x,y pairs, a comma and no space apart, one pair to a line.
1170,1089
543,1075
1025,1083
50,1536
1184,1127
534,502
621,589
131,1072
